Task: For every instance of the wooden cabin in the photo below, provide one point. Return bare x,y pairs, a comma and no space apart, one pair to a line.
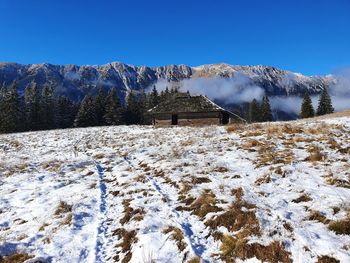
183,109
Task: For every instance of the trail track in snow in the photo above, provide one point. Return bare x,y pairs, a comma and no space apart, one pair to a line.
192,240
101,230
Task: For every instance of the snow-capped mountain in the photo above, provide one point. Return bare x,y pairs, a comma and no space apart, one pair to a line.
75,81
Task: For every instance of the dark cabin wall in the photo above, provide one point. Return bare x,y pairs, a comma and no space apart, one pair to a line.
189,119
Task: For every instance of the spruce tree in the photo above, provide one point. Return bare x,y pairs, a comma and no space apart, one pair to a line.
254,111
3,91
114,110
32,107
100,104
307,110
143,107
47,113
10,110
265,112
166,94
154,97
86,115
324,104
65,112
132,114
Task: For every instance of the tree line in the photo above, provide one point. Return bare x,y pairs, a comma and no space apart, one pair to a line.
261,112
258,112
324,105
39,109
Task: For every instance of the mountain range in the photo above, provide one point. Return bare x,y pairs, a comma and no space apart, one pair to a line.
76,81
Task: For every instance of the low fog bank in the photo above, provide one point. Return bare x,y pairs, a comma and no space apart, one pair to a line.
241,89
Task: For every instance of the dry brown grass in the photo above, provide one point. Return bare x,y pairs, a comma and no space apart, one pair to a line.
236,127
204,204
187,142
67,220
288,227
63,207
233,247
220,169
128,238
333,144
200,180
317,216
177,235
327,259
269,153
263,180
15,169
302,198
51,166
330,179
250,145
99,156
131,213
194,260
240,216
185,188
341,227
315,154
43,226
18,257
280,171
345,113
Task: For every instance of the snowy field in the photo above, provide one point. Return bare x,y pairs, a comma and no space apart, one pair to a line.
265,192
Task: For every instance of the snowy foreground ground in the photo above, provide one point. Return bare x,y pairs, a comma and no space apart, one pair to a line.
265,192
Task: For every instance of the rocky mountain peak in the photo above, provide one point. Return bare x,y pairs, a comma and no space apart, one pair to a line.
75,81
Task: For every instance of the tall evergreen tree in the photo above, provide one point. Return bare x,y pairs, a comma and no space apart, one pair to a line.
324,104
132,113
254,111
32,107
143,107
114,110
154,97
11,114
307,110
100,104
65,112
47,114
3,92
265,112
86,115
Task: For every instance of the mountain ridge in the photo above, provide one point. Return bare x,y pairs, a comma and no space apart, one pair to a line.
75,81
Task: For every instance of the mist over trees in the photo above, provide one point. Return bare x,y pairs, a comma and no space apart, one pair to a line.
42,110
324,104
258,112
307,110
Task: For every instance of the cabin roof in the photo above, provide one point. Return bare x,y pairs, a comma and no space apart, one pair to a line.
183,102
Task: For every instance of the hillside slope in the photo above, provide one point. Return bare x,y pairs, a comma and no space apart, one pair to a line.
271,192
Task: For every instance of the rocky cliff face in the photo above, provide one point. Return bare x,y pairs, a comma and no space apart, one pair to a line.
75,81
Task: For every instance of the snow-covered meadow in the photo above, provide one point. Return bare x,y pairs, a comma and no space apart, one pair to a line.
262,192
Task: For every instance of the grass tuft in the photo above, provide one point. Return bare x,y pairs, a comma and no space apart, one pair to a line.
177,235
327,259
341,227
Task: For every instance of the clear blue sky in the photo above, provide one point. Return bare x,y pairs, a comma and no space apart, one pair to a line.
307,36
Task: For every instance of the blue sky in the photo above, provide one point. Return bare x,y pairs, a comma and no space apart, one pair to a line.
307,36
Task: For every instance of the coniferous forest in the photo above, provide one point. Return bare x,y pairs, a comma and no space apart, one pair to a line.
40,109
